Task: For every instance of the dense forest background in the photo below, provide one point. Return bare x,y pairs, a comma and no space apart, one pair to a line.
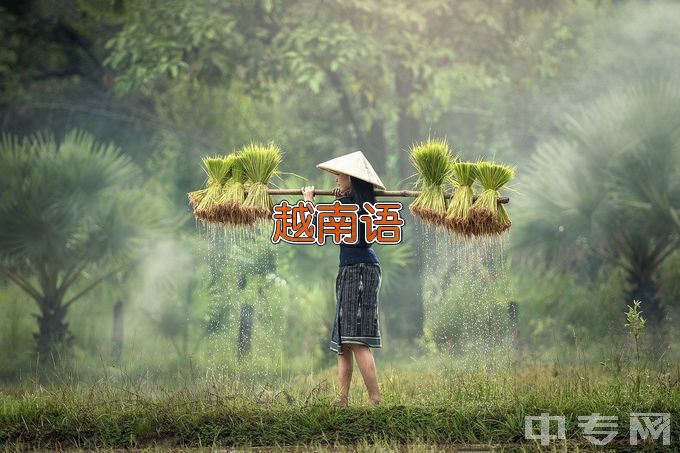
106,108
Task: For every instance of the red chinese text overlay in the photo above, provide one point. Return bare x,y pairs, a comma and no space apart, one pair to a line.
306,223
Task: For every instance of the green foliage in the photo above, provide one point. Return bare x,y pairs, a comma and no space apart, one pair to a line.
371,68
554,305
636,325
421,64
176,40
630,143
177,318
610,182
73,214
52,40
396,263
53,205
469,317
16,325
318,77
634,320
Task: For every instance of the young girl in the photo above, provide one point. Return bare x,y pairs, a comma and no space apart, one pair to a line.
356,327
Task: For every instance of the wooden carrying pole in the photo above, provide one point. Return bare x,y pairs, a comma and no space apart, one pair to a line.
378,193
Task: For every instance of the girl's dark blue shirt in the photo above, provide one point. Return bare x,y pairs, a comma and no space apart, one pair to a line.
361,252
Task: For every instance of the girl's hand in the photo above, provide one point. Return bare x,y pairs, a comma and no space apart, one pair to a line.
338,192
308,192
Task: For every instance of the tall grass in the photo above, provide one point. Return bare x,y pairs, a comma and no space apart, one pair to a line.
444,407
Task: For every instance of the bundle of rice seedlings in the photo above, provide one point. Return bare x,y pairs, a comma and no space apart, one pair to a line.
457,215
260,163
205,200
487,215
433,160
229,208
196,196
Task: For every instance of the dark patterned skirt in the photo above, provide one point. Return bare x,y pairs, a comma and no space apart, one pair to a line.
356,306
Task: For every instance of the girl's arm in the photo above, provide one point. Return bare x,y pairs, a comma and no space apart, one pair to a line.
308,193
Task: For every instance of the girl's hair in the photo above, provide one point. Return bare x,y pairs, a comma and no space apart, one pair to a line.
361,191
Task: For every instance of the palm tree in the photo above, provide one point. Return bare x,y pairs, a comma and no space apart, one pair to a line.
609,189
71,216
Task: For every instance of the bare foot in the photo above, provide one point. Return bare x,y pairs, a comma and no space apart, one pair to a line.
341,401
375,401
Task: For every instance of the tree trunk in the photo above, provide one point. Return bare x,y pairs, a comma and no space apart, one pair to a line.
411,287
408,127
245,326
378,144
513,317
53,337
245,331
117,336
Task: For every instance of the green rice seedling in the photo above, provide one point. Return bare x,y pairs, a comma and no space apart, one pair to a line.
205,200
433,160
457,215
260,163
196,196
230,210
217,170
487,215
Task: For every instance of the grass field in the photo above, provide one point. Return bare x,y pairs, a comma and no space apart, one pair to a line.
421,411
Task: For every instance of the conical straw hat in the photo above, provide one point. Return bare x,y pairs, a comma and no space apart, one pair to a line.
353,164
